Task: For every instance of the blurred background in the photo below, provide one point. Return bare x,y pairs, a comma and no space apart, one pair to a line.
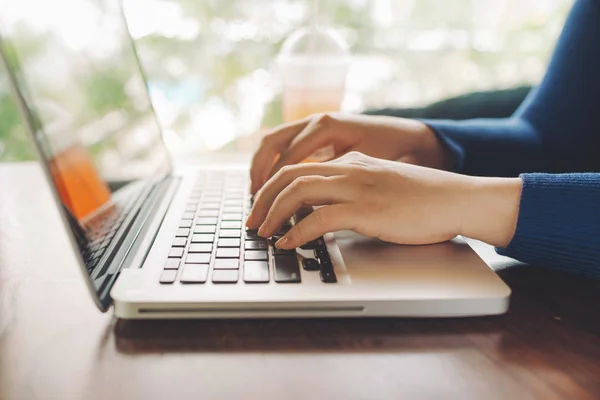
213,81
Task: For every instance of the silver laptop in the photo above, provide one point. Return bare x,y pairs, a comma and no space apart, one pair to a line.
157,242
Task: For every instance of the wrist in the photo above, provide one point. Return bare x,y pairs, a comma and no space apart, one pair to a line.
490,209
431,150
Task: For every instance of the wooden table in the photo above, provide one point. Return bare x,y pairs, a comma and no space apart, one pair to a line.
54,344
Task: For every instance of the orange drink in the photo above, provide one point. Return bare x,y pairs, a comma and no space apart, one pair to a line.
79,186
313,63
301,102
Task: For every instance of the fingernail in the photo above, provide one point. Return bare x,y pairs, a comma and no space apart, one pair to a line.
261,231
249,220
282,243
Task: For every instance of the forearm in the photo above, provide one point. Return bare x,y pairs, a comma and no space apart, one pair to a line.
490,209
547,219
491,147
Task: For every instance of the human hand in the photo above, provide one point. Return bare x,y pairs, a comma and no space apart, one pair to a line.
382,137
395,202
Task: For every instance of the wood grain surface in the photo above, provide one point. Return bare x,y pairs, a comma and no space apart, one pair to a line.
54,344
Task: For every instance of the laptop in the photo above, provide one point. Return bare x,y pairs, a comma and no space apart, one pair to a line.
157,241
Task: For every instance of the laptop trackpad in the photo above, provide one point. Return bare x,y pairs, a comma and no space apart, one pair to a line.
449,264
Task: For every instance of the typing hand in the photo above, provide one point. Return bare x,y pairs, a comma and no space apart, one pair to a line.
383,137
393,201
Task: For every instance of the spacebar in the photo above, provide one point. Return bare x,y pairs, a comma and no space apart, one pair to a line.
287,269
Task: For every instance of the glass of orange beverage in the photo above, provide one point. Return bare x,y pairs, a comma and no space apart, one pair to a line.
313,63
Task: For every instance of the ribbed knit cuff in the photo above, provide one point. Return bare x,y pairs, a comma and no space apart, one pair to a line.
559,223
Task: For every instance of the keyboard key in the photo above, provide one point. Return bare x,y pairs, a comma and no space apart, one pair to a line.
168,276
197,258
231,224
228,252
278,251
225,276
234,202
172,263
230,233
252,234
227,263
256,272
208,213
205,229
273,239
200,248
286,269
230,242
206,221
188,215
321,253
210,206
183,232
327,275
313,244
256,245
212,198
176,252
256,255
194,273
232,209
310,264
191,207
232,217
185,223
179,242
203,238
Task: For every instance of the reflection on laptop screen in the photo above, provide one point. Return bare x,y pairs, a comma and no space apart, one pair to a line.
80,78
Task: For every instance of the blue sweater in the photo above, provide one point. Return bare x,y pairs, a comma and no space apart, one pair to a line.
553,143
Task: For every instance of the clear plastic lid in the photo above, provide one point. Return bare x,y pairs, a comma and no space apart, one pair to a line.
314,56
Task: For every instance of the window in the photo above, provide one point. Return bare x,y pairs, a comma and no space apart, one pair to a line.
215,87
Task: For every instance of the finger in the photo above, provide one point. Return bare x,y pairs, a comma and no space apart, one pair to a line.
332,218
272,145
306,190
265,197
316,135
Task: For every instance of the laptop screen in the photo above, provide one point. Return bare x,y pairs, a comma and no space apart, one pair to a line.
78,72
84,97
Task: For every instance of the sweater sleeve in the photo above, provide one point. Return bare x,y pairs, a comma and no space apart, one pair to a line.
559,222
554,133
557,128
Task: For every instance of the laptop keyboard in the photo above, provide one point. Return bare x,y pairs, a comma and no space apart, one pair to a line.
213,244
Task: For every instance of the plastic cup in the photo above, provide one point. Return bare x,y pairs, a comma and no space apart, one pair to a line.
313,64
